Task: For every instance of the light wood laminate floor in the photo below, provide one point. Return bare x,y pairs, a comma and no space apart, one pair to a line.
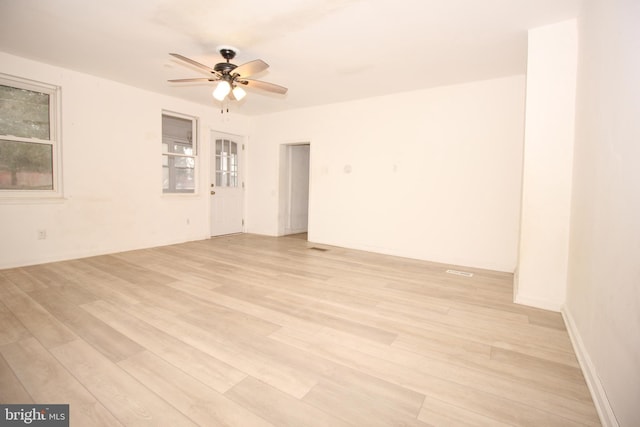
250,330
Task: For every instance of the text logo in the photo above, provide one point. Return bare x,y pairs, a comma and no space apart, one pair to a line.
34,415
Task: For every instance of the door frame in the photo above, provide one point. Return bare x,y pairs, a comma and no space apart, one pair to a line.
284,202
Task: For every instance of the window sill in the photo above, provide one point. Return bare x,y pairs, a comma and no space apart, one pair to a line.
180,195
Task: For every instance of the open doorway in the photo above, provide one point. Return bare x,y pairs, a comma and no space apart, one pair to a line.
294,188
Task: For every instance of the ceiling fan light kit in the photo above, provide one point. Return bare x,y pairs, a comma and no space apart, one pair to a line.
239,93
230,76
222,90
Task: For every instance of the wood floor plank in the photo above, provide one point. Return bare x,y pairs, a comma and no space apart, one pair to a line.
283,303
366,400
11,389
438,413
213,372
202,404
128,400
11,329
254,309
399,400
475,398
104,338
36,319
47,381
116,266
23,280
261,366
280,408
463,373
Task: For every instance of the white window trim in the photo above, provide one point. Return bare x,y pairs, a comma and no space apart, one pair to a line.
196,149
55,140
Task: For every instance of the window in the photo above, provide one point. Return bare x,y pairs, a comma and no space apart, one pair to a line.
226,163
179,150
29,141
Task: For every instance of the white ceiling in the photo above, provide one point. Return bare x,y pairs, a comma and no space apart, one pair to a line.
324,51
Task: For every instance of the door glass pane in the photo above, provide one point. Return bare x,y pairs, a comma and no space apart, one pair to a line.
226,163
234,163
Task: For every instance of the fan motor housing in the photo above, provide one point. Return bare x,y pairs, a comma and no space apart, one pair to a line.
224,67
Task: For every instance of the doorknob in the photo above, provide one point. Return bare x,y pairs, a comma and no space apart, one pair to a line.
213,192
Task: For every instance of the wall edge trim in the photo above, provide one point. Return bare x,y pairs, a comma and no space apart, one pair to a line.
537,302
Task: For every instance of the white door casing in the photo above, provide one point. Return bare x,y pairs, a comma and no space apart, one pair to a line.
294,188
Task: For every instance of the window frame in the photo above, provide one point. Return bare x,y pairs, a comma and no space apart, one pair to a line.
55,138
173,156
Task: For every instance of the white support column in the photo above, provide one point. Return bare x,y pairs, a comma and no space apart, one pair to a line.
541,275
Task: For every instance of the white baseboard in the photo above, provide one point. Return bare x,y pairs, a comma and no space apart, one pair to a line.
85,253
598,394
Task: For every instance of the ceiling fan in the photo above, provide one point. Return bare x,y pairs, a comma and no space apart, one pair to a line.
231,77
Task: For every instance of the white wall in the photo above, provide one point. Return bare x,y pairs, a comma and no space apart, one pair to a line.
603,299
431,174
113,201
548,155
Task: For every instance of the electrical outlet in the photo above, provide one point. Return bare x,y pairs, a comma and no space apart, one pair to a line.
42,234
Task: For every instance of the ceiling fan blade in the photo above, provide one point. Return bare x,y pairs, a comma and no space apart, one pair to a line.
251,68
194,63
269,87
198,79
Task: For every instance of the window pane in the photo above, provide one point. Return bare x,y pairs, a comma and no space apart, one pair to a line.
26,166
184,162
179,148
234,148
185,179
24,113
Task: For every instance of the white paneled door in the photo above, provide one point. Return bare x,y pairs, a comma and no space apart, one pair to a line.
226,186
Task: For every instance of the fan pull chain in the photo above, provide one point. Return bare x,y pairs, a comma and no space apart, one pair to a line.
222,108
